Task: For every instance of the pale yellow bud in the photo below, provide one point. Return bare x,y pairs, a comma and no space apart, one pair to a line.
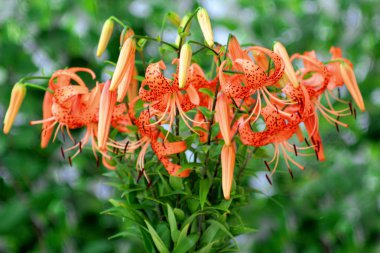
205,24
182,28
17,96
184,64
126,57
105,36
290,74
174,18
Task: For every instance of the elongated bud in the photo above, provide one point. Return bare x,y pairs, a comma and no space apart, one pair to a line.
106,106
174,18
349,79
279,49
126,34
205,24
125,83
126,57
184,64
182,29
105,36
228,156
222,117
17,96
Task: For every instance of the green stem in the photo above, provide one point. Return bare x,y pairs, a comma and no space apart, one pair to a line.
38,87
155,39
118,21
212,112
233,72
34,78
205,46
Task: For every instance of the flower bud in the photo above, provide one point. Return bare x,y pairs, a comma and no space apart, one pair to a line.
228,156
126,34
205,24
174,18
126,58
184,64
105,36
182,29
279,49
17,96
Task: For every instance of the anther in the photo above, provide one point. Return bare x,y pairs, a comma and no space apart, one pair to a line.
350,105
63,153
291,173
141,172
267,165
355,113
307,143
295,149
270,181
70,161
125,147
80,147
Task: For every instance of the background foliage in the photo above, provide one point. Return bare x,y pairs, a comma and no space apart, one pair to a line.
48,206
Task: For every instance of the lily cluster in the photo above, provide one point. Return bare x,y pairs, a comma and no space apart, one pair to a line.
256,97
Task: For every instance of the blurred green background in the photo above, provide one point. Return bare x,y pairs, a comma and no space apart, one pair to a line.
48,206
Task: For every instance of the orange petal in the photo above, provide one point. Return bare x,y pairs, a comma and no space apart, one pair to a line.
289,70
349,79
235,51
106,106
47,131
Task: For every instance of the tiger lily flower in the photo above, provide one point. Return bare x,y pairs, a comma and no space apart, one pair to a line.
165,96
17,96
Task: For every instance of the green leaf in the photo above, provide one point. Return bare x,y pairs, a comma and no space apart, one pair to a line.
205,111
206,249
239,230
207,91
223,228
204,187
176,183
164,232
173,224
156,239
185,242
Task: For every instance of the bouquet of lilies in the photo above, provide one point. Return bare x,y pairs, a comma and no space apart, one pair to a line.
192,125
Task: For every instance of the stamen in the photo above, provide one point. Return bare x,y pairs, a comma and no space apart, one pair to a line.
141,172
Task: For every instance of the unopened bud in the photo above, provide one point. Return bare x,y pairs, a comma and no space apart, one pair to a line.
17,96
126,34
184,64
279,49
126,57
105,36
184,27
205,24
174,18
